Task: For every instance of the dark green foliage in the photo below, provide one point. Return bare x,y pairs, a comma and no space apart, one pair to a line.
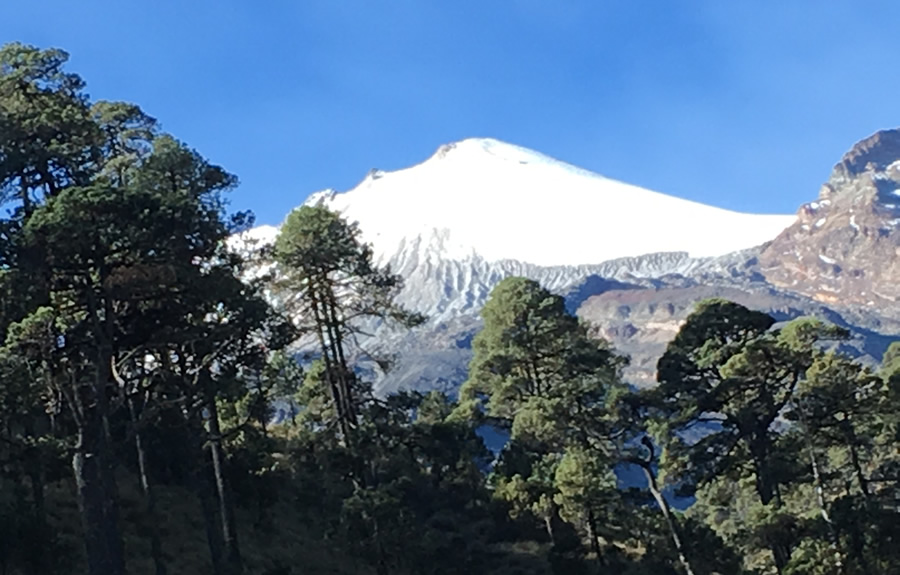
140,371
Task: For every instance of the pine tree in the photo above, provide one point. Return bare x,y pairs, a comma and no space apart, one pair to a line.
724,383
331,286
536,372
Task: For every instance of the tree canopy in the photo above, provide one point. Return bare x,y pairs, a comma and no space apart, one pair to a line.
166,407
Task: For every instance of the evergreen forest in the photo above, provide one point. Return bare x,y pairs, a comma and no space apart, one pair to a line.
170,405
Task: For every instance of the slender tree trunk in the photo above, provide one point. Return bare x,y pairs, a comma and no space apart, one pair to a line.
839,560
593,536
156,551
199,476
671,522
108,472
35,469
326,312
551,523
213,534
851,441
25,195
93,462
337,349
96,497
201,485
36,476
226,509
381,565
538,381
766,491
858,470
336,392
549,527
263,412
857,541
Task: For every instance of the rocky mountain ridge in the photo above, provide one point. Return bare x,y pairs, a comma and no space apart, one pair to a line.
837,259
844,248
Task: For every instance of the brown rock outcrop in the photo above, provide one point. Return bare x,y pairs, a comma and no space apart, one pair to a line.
844,248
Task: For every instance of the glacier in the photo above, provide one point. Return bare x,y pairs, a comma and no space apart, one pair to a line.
504,202
479,210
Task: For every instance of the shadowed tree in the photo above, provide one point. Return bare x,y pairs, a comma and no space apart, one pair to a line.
536,372
724,384
329,283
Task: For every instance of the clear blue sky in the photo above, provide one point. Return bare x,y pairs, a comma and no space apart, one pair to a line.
742,104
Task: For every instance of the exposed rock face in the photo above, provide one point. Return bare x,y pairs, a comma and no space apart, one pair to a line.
845,247
640,322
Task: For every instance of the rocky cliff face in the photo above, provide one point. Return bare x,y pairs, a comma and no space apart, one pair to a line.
839,261
844,248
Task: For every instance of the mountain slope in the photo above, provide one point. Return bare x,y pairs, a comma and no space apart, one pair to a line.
480,210
630,261
844,248
504,202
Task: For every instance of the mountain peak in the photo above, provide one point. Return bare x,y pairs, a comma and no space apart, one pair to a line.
499,201
845,247
493,149
874,153
867,175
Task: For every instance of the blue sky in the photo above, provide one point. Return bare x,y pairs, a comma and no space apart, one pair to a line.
741,104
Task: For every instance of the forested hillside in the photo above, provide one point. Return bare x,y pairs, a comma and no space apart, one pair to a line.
143,360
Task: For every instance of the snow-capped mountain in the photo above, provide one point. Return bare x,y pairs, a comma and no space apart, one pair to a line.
480,210
486,198
629,260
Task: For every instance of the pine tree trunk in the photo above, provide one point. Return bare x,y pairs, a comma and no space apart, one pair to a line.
25,196
851,441
36,476
593,536
767,494
671,523
551,523
674,530
381,565
202,486
35,470
335,384
199,477
226,509
93,464
156,551
96,498
857,539
337,349
334,388
548,526
839,560
858,470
